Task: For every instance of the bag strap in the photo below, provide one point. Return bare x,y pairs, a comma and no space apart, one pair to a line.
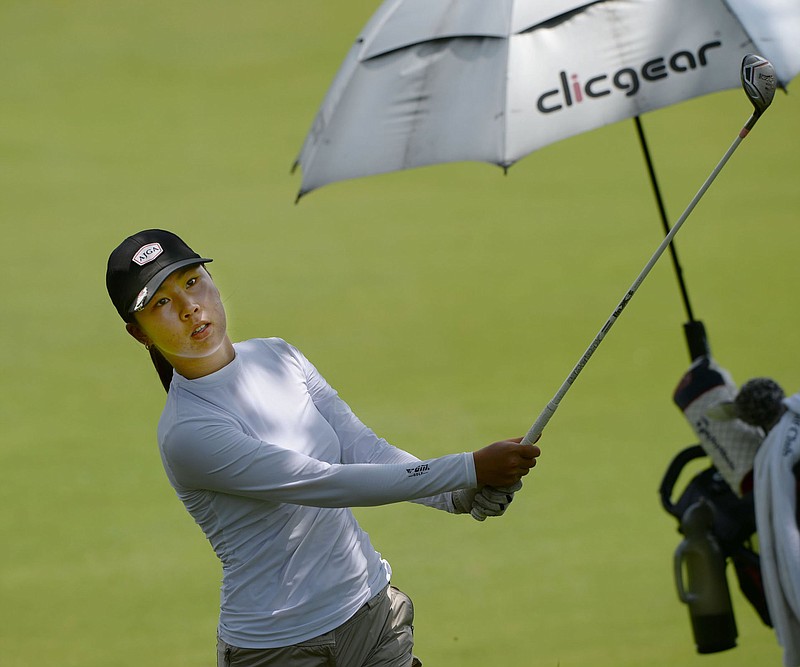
673,472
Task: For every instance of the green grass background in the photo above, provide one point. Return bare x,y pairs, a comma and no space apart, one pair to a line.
446,304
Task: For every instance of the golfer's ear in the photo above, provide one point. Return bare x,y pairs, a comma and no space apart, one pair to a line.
136,331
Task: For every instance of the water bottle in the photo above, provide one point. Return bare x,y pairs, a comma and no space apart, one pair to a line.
701,581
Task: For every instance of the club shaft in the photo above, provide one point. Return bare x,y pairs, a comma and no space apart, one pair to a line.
550,409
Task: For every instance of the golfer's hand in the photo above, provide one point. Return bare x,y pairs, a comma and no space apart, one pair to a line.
504,463
493,500
463,500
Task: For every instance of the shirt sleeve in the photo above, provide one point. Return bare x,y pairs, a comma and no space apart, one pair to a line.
359,443
220,457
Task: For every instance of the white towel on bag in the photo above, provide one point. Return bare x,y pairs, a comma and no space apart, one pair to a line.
778,533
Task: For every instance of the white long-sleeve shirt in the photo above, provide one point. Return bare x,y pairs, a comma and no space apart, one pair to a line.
267,459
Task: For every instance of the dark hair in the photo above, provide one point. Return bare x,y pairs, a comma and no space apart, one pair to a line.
162,366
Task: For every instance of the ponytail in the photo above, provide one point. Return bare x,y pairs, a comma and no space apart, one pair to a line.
162,366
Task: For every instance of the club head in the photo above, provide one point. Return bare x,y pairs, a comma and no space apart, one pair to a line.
758,81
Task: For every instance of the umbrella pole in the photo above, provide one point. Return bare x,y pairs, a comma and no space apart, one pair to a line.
693,330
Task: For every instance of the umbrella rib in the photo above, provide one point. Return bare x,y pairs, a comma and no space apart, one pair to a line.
505,163
504,113
561,18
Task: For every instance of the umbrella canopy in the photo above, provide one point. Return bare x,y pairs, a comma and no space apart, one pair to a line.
431,81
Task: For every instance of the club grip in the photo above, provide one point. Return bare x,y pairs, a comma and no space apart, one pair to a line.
696,339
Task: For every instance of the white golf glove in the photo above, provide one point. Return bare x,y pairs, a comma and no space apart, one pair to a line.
493,500
486,501
462,500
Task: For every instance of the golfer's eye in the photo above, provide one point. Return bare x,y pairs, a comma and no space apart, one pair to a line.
161,302
191,282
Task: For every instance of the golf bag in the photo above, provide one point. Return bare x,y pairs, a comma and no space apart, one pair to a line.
718,527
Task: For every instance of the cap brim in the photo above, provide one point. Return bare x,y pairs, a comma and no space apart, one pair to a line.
147,292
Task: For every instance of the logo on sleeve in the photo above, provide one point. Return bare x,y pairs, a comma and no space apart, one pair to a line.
147,253
419,470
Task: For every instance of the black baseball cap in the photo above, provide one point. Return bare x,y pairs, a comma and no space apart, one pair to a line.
138,266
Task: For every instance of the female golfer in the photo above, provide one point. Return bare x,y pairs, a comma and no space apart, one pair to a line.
267,459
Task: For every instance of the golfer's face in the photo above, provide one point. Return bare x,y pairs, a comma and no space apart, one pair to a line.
186,321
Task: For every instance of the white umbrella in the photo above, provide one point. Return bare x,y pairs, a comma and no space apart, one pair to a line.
431,81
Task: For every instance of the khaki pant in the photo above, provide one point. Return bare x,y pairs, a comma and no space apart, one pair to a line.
380,634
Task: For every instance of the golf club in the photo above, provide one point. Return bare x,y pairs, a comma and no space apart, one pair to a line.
758,81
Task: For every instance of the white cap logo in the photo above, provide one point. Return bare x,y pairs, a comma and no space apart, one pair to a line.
147,253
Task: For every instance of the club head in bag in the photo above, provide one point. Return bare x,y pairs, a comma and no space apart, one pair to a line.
758,81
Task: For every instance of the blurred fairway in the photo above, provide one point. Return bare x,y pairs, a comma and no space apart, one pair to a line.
445,304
